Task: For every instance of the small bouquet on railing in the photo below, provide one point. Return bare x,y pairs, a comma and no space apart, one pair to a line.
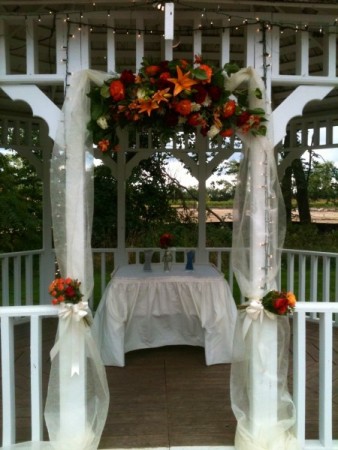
166,240
66,293
65,290
280,303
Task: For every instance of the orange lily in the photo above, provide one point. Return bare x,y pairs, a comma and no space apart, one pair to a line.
161,96
182,82
217,120
147,106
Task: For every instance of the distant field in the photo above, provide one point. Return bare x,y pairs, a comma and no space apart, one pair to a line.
318,215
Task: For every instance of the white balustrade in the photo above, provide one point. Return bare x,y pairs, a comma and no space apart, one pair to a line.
312,276
36,314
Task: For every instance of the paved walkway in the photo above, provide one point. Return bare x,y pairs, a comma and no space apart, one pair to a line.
167,396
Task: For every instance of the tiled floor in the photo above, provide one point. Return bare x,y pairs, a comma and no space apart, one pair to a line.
167,396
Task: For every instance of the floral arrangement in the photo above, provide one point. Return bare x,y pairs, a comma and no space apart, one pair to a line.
166,240
65,290
172,96
280,303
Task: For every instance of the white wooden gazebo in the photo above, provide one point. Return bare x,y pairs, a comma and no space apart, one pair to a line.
291,44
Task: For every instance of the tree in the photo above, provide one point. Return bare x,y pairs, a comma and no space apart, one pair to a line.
20,204
148,204
294,183
323,181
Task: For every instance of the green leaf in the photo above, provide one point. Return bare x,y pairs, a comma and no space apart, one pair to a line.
97,111
104,91
257,111
231,68
258,93
200,74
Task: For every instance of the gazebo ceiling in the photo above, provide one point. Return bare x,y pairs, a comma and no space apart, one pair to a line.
281,6
129,10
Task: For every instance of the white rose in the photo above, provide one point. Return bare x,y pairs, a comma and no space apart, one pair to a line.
141,93
102,122
213,131
207,101
195,107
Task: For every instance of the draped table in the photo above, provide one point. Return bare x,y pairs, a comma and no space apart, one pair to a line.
152,309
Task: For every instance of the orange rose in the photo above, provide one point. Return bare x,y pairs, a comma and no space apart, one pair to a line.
208,72
227,133
117,90
152,70
183,107
291,299
103,145
229,108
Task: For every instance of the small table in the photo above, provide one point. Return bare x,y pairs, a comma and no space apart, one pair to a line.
152,309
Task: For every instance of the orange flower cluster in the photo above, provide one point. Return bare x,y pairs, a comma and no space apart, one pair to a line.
170,97
280,303
65,290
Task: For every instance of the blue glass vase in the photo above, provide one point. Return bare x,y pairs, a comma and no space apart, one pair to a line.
190,260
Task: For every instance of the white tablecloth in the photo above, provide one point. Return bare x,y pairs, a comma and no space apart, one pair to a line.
152,309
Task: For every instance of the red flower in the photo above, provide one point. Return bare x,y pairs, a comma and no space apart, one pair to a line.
170,119
281,304
117,90
152,70
227,133
194,119
200,94
183,107
184,63
215,93
163,83
164,65
204,130
229,109
103,145
70,291
243,118
127,77
166,240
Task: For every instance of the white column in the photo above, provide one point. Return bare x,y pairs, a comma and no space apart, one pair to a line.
4,49
139,42
72,388
121,201
48,257
201,145
263,367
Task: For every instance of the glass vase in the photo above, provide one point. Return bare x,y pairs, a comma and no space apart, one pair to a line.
167,260
148,254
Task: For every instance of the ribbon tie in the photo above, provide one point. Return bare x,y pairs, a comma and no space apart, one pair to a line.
255,311
76,316
76,311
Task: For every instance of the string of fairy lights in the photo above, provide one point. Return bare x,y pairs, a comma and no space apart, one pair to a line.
208,20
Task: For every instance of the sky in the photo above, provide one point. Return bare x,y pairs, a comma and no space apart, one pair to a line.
176,169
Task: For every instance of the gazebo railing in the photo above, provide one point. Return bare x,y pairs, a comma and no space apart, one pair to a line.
311,275
325,366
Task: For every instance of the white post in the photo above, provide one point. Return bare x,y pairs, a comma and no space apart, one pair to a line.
263,367
201,143
72,387
169,21
121,200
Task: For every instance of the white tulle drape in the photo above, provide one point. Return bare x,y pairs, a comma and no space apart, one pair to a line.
78,395
259,394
